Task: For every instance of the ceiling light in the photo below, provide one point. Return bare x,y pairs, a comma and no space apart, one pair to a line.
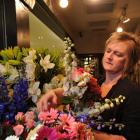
63,3
123,16
119,29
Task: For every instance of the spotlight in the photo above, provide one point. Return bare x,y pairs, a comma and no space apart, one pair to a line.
119,29
63,3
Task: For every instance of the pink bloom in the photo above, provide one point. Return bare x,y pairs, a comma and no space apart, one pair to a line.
29,115
81,70
62,136
18,129
47,133
67,121
30,123
76,74
80,130
42,116
20,116
48,116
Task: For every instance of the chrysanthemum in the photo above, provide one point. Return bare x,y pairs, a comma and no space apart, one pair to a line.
12,138
47,133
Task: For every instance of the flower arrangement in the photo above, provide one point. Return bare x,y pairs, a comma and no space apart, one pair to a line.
23,73
52,125
82,101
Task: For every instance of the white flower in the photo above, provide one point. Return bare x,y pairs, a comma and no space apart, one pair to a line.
12,138
74,90
94,112
47,87
45,63
30,71
34,91
33,133
31,57
13,74
2,69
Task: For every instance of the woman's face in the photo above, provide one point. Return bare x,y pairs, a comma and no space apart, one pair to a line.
115,57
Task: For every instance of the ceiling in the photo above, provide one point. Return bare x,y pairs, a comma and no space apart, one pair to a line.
96,15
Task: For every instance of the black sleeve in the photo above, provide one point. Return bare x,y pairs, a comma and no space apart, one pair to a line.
131,116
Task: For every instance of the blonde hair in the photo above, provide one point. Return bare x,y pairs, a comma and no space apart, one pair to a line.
133,44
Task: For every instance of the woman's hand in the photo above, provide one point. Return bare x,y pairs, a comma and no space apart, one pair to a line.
50,99
104,136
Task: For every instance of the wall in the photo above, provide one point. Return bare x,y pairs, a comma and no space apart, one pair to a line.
91,42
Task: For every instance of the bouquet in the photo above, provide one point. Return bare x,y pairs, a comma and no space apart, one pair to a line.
23,74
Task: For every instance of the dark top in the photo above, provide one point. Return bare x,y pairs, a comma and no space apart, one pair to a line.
127,112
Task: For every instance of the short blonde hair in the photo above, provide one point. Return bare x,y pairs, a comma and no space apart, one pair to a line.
133,43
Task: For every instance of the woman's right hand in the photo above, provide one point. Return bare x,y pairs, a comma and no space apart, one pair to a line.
50,99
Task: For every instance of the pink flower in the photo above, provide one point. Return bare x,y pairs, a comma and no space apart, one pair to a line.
20,116
29,115
42,116
80,130
67,121
47,133
76,75
63,135
18,129
48,116
30,123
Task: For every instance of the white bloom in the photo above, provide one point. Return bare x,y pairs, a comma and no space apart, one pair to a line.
2,69
13,74
97,105
47,87
13,137
34,91
31,57
106,106
94,112
75,90
102,109
45,63
82,84
30,71
33,133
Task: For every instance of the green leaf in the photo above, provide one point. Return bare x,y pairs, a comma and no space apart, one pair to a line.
66,100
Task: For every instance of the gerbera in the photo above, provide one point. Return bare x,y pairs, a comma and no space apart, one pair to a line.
79,130
49,116
47,133
67,121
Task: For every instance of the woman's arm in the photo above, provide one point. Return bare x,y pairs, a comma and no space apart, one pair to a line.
104,136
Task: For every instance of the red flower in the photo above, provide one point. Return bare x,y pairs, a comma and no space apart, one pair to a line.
93,86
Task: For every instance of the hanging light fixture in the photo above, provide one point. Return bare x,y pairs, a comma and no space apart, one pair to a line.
63,3
123,19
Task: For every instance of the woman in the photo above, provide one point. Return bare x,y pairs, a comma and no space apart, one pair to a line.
121,55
